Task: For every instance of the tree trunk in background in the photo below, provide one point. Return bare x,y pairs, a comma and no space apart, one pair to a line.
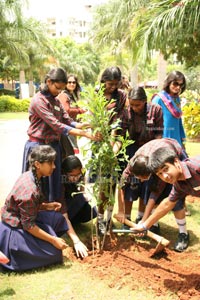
162,70
21,81
31,88
134,76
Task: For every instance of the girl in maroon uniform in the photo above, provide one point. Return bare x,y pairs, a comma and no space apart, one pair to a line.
31,228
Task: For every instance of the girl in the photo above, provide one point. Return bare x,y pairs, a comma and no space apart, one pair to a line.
144,122
116,99
30,229
48,121
75,206
169,99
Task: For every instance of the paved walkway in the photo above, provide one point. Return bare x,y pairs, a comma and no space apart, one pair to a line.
12,138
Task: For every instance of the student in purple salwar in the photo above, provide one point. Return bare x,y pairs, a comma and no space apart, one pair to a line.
30,228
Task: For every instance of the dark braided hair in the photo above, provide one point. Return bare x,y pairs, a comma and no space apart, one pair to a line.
41,153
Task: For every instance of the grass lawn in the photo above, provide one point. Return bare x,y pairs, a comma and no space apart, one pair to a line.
72,281
13,116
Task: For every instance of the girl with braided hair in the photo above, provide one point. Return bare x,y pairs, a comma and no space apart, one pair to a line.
30,228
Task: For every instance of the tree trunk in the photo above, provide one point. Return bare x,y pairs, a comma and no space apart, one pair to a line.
21,81
134,76
162,70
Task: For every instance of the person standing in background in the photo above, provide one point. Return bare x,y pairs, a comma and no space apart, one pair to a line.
169,99
69,98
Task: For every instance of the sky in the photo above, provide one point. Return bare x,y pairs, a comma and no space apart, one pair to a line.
43,8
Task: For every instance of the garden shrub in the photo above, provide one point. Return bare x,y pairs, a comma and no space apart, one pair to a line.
191,113
7,92
191,119
11,104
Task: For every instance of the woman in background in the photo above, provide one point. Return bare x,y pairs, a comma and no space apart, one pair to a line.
69,98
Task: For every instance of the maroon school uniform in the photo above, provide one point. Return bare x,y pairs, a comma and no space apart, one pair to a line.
21,212
48,121
191,184
142,129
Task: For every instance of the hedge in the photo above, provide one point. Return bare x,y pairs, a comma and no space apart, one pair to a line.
11,104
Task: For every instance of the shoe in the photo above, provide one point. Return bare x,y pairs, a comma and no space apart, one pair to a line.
155,229
138,219
182,242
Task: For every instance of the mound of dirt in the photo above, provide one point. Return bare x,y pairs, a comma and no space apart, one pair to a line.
127,261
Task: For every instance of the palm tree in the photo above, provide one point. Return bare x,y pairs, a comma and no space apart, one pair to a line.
23,41
170,27
77,59
112,29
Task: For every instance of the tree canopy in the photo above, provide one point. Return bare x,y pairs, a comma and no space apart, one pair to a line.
168,26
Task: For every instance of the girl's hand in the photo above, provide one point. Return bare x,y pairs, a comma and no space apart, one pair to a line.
96,137
81,249
59,243
84,125
52,206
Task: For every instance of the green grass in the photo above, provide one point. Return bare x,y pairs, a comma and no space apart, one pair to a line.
13,116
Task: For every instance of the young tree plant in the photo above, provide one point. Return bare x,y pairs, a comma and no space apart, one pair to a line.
103,164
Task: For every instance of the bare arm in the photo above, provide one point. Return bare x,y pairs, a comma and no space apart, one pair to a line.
57,242
121,206
80,132
148,209
51,206
163,208
80,248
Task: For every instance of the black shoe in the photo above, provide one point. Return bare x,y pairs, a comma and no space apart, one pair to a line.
155,229
138,219
182,242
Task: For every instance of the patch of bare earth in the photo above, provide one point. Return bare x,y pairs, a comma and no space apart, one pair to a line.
127,261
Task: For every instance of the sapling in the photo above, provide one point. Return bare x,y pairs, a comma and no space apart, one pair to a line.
103,164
